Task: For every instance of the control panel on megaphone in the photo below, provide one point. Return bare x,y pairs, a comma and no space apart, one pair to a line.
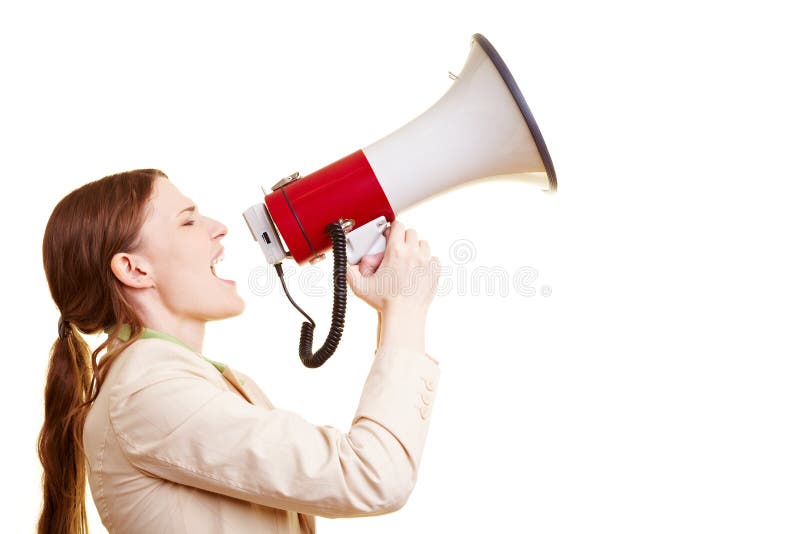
481,127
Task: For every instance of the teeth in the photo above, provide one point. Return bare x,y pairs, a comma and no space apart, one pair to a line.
218,260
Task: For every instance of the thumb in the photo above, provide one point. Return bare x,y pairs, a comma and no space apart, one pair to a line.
370,263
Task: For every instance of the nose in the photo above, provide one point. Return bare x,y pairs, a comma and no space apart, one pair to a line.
216,228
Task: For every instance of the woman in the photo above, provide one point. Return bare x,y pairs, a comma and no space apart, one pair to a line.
172,442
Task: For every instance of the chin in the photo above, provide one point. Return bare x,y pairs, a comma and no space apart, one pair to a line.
233,308
224,308
239,308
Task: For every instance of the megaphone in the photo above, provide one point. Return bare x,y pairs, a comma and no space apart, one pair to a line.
481,127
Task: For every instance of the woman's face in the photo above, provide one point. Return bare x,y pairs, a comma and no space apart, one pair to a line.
179,245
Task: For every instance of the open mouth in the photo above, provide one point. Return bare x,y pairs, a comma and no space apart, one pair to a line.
214,262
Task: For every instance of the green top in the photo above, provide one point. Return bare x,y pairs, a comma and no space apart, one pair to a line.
125,334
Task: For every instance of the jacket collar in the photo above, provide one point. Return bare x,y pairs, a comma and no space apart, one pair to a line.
225,371
125,334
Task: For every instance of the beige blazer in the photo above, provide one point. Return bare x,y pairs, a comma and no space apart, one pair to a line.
173,445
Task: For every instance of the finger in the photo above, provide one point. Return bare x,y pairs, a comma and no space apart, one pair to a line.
354,278
370,263
425,248
436,268
396,234
412,240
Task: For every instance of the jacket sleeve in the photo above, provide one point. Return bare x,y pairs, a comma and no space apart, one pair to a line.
176,424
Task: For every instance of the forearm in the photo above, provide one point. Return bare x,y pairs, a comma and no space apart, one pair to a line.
402,328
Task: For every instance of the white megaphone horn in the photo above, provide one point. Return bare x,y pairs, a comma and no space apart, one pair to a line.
481,127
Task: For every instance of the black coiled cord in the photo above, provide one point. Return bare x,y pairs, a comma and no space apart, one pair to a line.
316,359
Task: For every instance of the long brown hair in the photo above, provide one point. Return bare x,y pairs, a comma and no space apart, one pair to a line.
85,230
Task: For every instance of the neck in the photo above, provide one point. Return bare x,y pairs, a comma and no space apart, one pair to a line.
190,332
155,315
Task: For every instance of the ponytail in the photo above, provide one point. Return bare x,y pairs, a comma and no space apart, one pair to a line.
86,229
68,388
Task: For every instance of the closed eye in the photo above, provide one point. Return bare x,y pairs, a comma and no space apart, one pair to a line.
188,223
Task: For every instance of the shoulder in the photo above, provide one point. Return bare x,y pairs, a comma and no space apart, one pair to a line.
150,361
153,387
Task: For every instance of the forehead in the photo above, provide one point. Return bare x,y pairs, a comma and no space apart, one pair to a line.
162,212
167,200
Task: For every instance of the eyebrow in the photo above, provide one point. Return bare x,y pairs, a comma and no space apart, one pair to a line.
190,208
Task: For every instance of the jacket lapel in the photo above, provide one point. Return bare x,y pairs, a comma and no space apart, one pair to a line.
232,380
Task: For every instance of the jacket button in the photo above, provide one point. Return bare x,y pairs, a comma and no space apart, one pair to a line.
426,399
424,412
429,384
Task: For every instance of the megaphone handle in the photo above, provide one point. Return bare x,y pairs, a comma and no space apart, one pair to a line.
366,239
379,246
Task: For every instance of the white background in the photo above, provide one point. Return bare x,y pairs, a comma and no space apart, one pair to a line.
655,389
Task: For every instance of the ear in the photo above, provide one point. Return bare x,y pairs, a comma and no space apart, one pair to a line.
131,270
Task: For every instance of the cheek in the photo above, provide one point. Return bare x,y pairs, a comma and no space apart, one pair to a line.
181,274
